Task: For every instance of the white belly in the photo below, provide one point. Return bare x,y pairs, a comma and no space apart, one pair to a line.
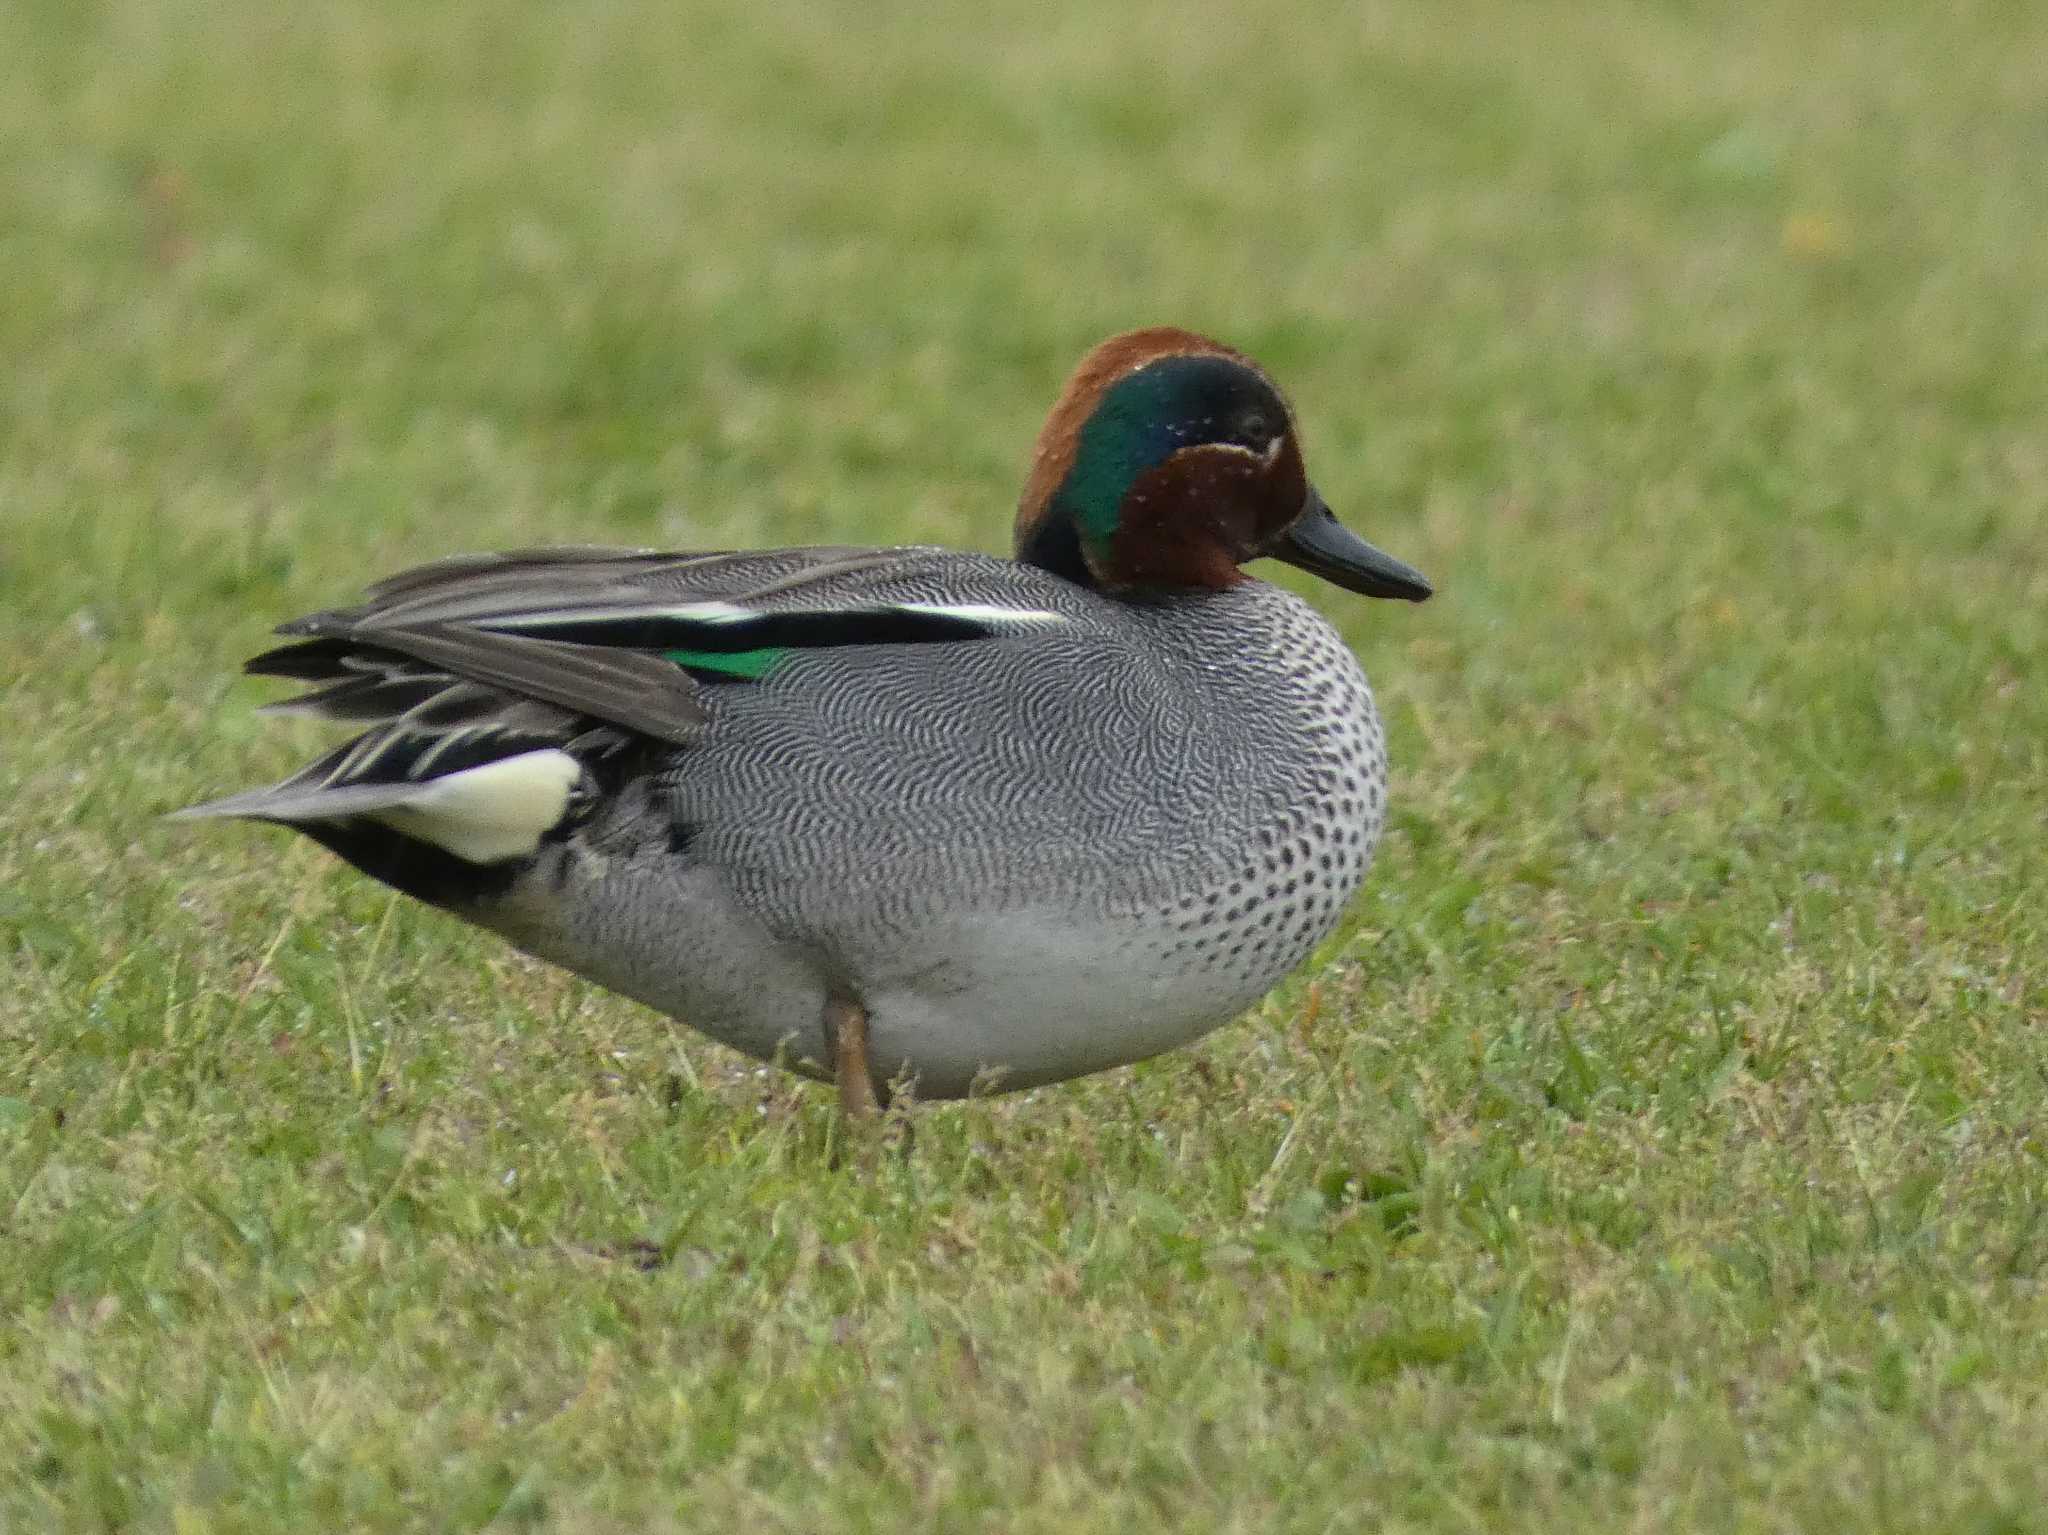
989,1002
1023,1000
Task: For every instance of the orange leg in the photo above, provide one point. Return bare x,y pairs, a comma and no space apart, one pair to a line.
846,1024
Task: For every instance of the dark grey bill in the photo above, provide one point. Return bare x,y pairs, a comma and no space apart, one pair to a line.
1321,545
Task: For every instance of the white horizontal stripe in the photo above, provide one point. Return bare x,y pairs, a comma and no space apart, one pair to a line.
723,613
688,613
984,612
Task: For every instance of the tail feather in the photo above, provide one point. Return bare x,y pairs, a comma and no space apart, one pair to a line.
292,802
482,815
321,660
368,697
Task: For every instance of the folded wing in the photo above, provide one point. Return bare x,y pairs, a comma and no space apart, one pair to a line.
491,685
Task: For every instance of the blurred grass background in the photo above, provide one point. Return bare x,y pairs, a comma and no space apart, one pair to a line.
1660,1147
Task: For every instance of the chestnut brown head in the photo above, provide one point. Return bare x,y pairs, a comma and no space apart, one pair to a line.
1168,462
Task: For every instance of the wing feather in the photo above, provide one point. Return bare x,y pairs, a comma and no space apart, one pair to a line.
484,659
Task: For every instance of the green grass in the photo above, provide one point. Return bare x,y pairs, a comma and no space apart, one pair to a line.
1660,1147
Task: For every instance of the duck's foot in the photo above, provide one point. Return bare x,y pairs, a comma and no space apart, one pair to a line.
846,1025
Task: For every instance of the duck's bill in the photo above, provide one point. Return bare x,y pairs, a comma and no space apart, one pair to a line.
1321,545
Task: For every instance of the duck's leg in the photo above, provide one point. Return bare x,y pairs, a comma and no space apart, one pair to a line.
846,1025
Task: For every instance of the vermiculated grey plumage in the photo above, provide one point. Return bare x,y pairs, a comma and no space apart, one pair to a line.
1031,845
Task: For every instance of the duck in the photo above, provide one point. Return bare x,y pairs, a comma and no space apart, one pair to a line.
899,819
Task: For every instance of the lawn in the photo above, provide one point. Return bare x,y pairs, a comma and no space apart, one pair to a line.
1659,1146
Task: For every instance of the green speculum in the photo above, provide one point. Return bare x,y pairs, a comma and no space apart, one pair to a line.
741,665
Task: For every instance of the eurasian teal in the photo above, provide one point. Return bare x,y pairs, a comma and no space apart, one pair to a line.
894,815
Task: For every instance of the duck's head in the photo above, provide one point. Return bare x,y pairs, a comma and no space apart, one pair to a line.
1168,462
